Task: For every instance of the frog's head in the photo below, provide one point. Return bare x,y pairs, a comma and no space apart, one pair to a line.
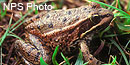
98,20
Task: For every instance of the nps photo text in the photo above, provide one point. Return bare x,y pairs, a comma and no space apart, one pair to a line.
20,6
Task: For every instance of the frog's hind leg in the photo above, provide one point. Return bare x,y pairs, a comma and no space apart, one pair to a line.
33,52
87,57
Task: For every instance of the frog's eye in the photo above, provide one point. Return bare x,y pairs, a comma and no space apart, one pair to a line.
95,16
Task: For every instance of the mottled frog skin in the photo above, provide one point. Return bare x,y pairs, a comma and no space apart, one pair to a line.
65,28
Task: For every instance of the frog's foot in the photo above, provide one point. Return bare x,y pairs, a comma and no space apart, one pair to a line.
86,54
33,52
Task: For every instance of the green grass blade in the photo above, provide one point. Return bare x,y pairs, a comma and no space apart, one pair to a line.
121,26
2,1
61,3
17,26
44,2
123,54
113,3
128,6
19,21
79,60
5,34
1,9
114,61
36,11
54,56
110,7
13,35
23,18
111,35
42,62
124,48
3,13
127,44
54,5
104,31
85,63
66,59
126,17
119,6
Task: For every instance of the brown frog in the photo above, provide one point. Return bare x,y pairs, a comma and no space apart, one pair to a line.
66,28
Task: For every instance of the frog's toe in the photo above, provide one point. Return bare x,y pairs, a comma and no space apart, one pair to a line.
86,54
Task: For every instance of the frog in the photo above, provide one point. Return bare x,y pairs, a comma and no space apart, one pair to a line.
71,28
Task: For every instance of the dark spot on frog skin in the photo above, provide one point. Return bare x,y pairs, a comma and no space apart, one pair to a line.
77,18
50,25
58,18
38,26
48,10
85,9
69,12
31,20
48,16
28,54
66,41
64,19
36,57
50,39
100,10
30,51
94,6
37,17
26,45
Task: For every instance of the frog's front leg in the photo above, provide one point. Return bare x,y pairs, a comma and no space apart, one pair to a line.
87,57
32,52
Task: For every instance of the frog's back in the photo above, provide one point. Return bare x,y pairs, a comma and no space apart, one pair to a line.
60,18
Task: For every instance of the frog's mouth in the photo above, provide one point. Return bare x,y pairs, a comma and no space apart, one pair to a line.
95,23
